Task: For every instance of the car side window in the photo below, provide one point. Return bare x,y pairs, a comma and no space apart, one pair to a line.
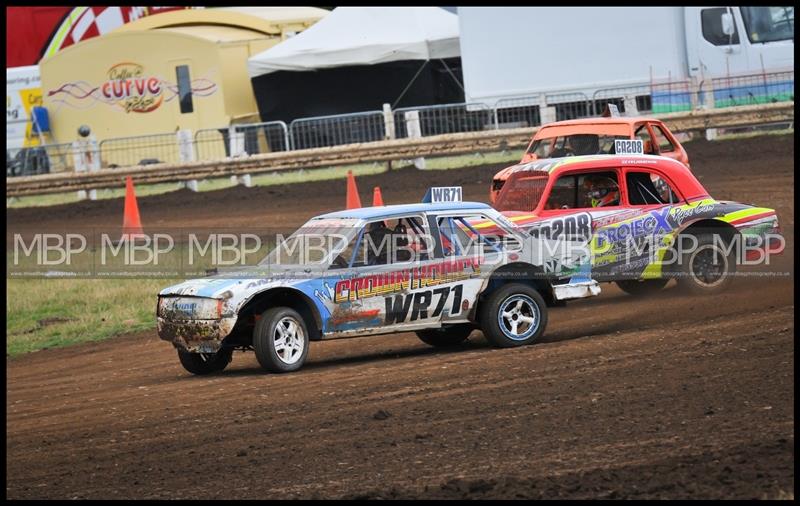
453,238
648,188
563,194
664,144
596,189
644,134
599,189
387,241
472,234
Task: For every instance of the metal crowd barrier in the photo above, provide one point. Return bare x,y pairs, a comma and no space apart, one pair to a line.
445,119
139,150
518,112
752,89
574,105
46,159
322,131
251,139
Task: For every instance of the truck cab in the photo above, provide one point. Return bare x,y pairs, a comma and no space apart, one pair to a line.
725,41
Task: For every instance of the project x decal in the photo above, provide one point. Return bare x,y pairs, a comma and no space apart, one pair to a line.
653,223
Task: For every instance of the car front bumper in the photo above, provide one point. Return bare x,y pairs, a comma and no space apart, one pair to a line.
195,336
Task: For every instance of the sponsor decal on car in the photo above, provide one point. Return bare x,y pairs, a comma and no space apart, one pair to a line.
348,290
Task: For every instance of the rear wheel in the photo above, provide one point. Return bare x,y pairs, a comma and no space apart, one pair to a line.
280,340
446,336
642,287
205,363
513,315
706,268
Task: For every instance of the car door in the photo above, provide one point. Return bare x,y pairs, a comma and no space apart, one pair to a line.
471,245
384,288
651,230
598,194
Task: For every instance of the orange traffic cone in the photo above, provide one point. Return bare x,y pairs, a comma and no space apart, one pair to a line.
353,200
377,199
131,224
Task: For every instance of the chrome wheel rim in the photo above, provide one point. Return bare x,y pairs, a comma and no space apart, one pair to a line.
518,317
288,340
709,266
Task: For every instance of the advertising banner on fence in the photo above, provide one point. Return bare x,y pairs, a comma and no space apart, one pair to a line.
23,92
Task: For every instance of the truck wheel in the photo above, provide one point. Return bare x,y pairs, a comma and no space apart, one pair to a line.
513,315
205,363
446,336
281,340
706,269
642,287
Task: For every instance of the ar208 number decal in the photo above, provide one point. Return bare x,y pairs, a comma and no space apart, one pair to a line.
397,307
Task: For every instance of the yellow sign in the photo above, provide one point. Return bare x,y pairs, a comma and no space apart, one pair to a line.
30,98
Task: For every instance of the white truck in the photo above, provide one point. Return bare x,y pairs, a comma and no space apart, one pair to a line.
524,51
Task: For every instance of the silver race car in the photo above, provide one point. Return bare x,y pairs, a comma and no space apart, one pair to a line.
438,269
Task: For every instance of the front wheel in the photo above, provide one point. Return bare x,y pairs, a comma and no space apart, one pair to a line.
280,340
446,336
205,363
513,315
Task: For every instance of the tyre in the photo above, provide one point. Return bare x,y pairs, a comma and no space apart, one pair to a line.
513,315
706,268
281,340
446,336
642,287
205,363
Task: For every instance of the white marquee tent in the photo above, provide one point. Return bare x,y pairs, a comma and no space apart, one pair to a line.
364,36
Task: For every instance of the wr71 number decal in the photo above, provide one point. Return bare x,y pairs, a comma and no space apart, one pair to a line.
419,303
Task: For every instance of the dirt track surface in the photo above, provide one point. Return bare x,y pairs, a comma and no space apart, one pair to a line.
662,397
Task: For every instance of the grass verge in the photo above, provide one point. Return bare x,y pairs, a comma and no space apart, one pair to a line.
49,313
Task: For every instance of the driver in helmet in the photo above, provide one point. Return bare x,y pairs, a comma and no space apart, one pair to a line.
601,191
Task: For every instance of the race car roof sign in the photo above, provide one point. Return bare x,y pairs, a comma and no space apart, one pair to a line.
437,194
629,146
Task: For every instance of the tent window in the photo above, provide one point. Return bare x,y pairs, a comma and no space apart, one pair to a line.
184,88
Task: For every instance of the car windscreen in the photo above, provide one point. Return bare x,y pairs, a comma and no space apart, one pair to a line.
574,145
521,192
311,244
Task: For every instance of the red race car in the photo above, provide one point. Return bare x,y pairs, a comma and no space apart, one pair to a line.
646,219
594,136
